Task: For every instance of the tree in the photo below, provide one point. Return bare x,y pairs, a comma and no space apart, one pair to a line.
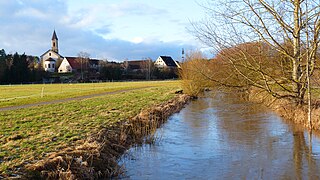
110,71
19,71
195,73
3,66
83,59
275,25
147,67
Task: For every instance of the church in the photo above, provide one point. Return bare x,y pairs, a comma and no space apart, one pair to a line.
51,57
52,61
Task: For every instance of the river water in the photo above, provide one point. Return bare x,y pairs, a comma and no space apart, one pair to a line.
222,137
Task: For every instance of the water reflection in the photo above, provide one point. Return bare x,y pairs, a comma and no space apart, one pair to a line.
225,137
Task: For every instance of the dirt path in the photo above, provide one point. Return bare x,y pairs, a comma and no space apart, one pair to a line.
68,99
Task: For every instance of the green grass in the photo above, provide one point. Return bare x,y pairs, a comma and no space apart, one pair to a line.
13,95
29,134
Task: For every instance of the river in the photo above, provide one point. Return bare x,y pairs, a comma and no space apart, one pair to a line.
223,137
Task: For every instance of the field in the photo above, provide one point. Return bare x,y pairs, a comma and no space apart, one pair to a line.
29,134
12,95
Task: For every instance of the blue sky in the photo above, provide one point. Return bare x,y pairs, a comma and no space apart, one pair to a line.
106,29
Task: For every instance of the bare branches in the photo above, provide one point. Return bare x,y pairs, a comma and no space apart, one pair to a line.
285,32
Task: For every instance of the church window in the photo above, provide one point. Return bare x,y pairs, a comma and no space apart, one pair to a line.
52,65
49,54
54,44
48,65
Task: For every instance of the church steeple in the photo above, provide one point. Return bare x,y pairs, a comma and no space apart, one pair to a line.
54,42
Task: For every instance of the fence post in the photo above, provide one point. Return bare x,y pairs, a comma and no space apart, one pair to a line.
42,92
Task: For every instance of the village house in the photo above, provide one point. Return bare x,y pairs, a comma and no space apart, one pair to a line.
137,69
166,62
76,64
137,65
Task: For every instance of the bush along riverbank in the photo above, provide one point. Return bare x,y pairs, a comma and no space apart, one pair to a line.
297,114
97,156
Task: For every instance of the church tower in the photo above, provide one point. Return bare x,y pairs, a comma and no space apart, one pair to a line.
54,42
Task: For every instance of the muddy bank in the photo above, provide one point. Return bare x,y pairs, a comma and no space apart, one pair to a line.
287,109
97,156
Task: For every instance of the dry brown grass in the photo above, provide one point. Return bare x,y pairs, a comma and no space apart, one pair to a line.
288,109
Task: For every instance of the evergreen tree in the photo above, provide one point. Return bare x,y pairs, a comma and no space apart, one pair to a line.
3,66
19,70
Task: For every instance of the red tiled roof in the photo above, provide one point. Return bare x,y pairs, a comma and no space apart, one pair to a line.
75,63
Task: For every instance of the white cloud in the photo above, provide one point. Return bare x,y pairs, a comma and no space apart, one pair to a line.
31,12
129,8
137,40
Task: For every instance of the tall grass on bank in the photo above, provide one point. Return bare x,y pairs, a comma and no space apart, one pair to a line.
28,135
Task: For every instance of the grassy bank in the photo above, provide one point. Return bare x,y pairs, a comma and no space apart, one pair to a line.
29,135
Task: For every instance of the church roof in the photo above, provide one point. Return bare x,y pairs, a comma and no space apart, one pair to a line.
50,59
75,63
54,36
50,50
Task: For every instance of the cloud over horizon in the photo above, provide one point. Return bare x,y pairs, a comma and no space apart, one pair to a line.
27,26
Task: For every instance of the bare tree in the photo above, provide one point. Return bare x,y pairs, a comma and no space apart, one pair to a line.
83,60
148,67
285,30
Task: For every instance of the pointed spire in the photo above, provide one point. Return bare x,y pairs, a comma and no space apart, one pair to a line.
54,36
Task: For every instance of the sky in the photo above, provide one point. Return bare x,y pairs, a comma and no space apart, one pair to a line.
115,30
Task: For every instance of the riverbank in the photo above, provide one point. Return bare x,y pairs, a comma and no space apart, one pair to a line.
287,109
96,157
31,134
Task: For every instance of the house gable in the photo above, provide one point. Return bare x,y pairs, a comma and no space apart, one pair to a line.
50,54
165,61
65,66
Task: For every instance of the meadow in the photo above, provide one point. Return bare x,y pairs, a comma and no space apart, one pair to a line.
13,95
29,134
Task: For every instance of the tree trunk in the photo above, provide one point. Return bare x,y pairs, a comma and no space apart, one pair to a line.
296,69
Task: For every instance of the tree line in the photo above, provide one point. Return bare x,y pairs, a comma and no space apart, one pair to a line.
21,68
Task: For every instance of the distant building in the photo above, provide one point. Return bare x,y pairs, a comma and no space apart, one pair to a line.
50,58
68,65
166,62
137,65
76,64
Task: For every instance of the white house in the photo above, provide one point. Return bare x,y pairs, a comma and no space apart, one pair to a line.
65,66
166,62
